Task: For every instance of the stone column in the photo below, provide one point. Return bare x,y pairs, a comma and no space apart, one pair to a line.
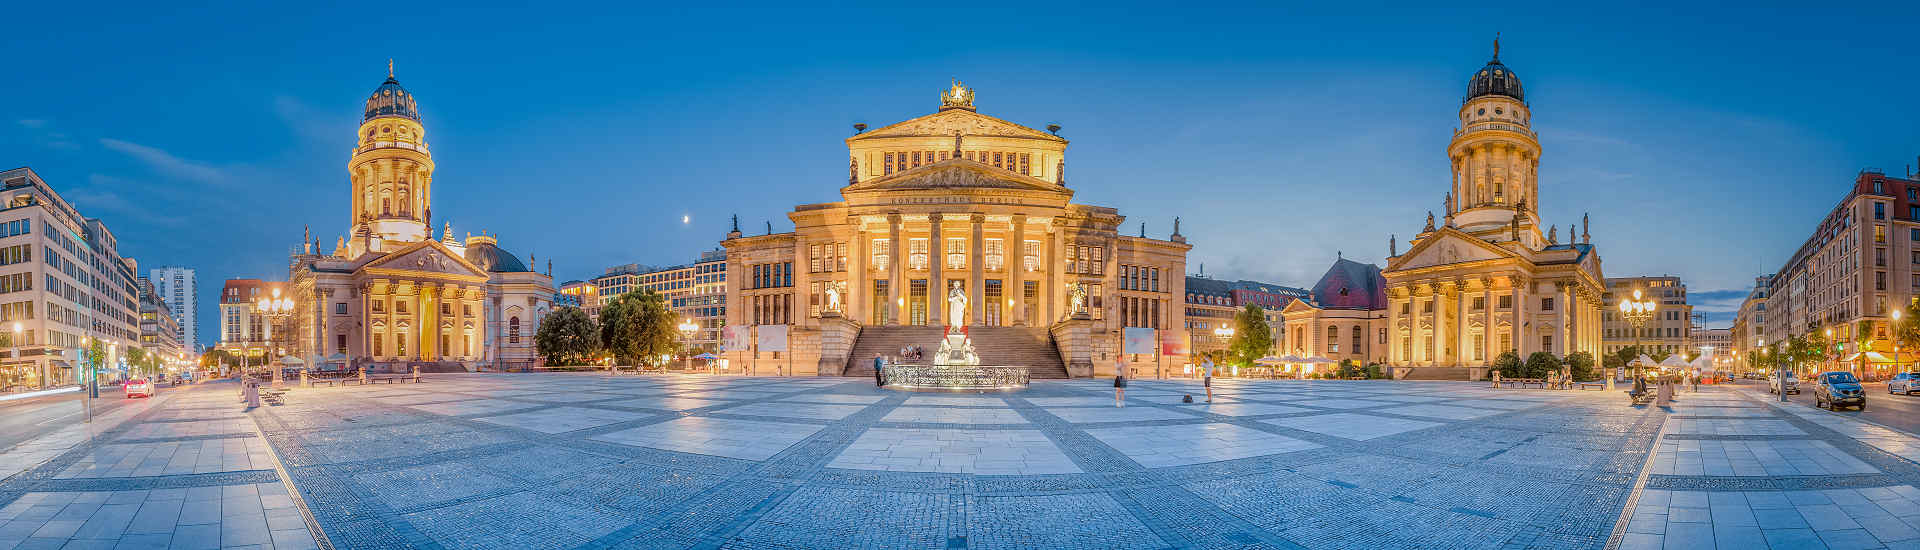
1439,324
937,283
1521,323
1053,290
896,286
1393,322
1463,333
1563,329
1016,272
976,285
1487,321
858,292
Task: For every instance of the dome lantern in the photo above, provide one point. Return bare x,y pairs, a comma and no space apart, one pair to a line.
1495,79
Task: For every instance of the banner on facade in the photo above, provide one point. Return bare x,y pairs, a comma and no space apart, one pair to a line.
1173,345
736,338
1139,340
773,338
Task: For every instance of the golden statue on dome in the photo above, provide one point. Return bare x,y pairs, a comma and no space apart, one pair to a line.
957,97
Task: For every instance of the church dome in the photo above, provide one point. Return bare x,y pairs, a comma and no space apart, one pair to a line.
489,256
1495,79
390,99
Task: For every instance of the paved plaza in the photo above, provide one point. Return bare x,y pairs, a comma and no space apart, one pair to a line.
589,461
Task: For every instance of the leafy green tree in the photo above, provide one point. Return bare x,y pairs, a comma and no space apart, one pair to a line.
1508,363
567,337
1252,336
638,328
96,360
1539,364
1350,369
136,361
1906,331
1580,365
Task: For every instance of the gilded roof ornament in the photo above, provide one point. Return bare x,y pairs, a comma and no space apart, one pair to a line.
957,97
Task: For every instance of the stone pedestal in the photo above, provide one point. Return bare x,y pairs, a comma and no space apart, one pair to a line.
1074,340
837,336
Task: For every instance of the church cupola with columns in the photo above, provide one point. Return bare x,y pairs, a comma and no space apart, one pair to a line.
392,172
1495,158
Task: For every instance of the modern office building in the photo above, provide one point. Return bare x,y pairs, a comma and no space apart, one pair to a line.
63,283
696,291
1669,331
177,287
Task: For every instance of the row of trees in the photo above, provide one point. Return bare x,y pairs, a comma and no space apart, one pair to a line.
1539,364
636,329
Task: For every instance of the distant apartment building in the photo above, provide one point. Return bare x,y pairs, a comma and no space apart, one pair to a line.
697,291
1716,343
243,329
1750,323
159,334
1669,331
1212,304
176,286
63,283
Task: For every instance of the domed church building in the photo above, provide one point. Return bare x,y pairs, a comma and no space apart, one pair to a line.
390,297
1489,276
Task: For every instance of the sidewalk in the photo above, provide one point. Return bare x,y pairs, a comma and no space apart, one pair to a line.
188,469
1735,470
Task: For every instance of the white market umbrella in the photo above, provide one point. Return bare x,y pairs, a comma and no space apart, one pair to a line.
1644,361
1674,361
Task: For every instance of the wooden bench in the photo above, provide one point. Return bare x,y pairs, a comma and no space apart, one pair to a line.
1602,386
1523,382
396,378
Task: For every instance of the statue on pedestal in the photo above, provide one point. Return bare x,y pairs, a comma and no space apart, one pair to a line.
1076,298
833,297
956,307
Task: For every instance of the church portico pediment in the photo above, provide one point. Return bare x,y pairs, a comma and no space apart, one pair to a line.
426,258
1448,246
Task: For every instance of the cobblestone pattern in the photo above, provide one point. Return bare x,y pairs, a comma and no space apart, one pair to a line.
1545,470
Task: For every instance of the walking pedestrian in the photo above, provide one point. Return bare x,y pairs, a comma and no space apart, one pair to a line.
1207,380
1120,383
879,364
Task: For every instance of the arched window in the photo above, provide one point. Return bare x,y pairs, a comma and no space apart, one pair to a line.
1333,339
513,330
1499,192
1358,334
386,206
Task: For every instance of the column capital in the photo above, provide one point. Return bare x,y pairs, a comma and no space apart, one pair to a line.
977,218
893,218
935,217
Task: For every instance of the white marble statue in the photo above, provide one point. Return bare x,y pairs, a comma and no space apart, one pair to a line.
833,297
956,306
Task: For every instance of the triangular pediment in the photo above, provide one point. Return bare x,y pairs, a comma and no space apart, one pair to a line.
1447,246
1298,306
951,121
428,256
953,174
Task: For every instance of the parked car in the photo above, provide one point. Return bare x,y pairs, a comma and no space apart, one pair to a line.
1773,384
1838,389
139,387
1905,382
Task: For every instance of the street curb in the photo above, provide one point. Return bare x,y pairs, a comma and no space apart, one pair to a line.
1639,487
286,479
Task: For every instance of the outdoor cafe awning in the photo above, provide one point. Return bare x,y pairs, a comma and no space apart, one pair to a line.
1872,357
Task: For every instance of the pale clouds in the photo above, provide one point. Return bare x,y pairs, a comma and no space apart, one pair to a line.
310,123
169,164
33,123
108,193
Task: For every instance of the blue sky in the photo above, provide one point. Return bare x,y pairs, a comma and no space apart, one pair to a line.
1705,143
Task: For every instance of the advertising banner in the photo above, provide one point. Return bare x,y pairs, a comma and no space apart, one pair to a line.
1173,345
736,338
1139,340
773,337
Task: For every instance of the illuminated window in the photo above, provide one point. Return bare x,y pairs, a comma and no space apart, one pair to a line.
1032,255
880,250
917,254
995,254
956,253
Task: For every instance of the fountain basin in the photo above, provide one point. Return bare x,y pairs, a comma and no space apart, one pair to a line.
954,378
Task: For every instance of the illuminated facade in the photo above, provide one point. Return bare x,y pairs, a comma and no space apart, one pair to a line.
62,283
389,296
1489,277
957,199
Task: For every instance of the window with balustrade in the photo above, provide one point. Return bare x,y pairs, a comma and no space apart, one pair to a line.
995,257
917,254
880,249
956,253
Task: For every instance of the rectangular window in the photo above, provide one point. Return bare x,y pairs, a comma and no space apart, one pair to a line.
887,163
840,257
1879,234
340,308
1879,280
1479,303
1506,302
880,254
996,254
340,343
813,258
1879,210
956,253
917,254
1026,164
1032,255
1546,304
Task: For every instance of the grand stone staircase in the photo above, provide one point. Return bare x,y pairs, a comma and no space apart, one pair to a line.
1439,373
997,346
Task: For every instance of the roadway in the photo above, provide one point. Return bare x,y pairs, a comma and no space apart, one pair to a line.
26,418
1900,412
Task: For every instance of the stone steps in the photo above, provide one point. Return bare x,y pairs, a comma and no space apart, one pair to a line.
1009,346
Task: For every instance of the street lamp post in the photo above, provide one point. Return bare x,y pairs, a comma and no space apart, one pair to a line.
686,342
1224,333
1896,339
1636,312
275,309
